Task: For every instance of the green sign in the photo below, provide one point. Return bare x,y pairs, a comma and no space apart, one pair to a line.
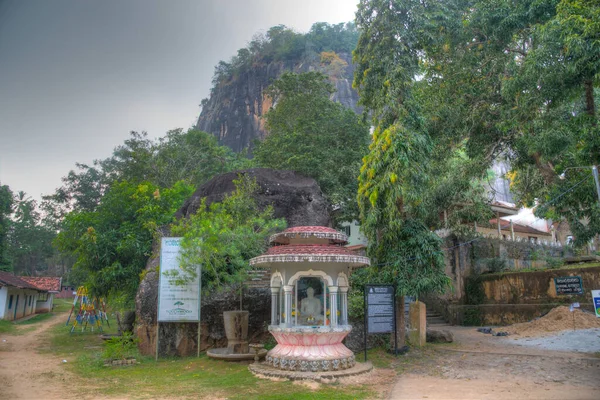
568,285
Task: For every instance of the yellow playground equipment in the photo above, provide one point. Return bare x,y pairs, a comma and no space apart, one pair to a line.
90,311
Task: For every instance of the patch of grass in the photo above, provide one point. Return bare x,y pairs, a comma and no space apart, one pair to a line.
179,377
36,319
62,305
7,327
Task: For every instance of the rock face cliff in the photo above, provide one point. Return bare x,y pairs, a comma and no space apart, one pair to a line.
234,111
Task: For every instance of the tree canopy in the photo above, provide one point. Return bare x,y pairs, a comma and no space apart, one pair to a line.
312,135
224,236
113,243
460,83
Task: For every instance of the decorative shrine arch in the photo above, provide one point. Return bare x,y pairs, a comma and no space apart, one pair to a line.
276,279
310,272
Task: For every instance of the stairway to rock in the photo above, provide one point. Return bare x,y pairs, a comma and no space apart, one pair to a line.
435,319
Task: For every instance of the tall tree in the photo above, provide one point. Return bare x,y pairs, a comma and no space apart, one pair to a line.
30,241
315,136
113,242
6,200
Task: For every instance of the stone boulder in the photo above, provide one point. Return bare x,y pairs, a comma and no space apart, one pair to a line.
295,198
439,336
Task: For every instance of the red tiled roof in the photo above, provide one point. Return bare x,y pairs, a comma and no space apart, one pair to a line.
49,283
505,226
310,249
8,279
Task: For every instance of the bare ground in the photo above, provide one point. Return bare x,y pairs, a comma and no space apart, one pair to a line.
27,374
481,366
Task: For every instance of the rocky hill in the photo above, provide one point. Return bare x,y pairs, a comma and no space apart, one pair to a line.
234,110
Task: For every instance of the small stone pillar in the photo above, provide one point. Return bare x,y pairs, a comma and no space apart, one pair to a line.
287,290
417,315
333,319
344,304
274,306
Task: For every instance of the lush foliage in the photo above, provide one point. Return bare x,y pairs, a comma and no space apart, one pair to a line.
222,237
120,347
192,156
460,83
30,240
281,44
6,200
113,242
316,137
498,79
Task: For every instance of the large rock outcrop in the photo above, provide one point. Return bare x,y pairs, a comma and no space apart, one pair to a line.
294,197
234,111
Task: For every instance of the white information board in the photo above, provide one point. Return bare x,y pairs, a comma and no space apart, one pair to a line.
176,303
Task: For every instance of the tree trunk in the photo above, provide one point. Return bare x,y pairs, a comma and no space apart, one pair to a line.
400,323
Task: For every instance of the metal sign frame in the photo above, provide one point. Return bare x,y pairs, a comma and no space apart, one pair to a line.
366,314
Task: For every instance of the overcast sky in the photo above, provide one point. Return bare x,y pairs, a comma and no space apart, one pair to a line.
76,76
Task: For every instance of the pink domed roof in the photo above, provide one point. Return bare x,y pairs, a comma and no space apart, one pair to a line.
305,232
310,229
310,253
309,249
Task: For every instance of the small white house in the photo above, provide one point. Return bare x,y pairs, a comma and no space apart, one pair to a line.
51,286
18,298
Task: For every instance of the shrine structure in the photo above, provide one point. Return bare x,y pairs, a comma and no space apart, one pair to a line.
309,300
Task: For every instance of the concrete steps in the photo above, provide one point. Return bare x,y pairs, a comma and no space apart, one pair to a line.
435,320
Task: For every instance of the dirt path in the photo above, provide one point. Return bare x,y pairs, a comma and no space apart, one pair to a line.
480,366
27,374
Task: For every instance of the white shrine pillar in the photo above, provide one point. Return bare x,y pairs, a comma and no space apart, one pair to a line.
333,292
274,305
287,304
344,304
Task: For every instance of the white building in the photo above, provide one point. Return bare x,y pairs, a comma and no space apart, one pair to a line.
18,298
50,284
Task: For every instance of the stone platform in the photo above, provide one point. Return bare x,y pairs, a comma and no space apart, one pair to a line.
225,354
263,369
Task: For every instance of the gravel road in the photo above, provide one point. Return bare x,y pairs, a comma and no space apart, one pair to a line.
584,341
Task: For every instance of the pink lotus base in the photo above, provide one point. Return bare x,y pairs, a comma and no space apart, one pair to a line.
310,348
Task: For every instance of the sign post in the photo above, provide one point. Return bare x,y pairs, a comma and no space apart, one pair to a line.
176,302
596,301
380,312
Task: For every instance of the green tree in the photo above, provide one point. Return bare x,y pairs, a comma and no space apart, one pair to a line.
112,243
223,237
316,137
6,200
30,242
193,156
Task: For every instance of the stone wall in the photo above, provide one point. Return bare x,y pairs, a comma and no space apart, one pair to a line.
511,297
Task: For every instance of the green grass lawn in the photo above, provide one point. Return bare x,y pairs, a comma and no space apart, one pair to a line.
7,327
35,319
179,377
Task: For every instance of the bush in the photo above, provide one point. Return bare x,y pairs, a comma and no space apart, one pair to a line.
120,347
